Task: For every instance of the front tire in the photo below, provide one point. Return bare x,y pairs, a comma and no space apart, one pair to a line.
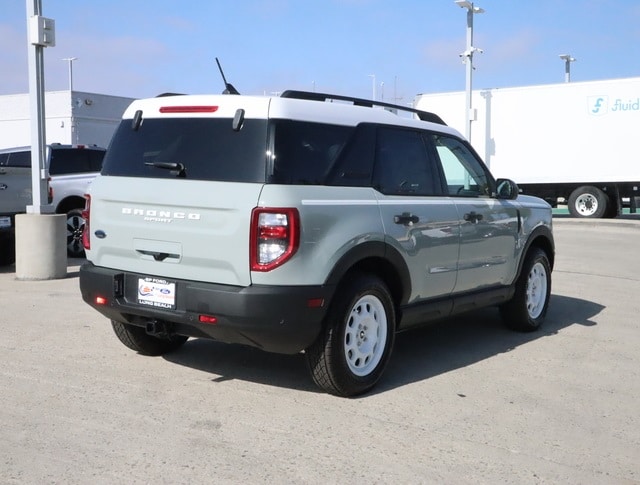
351,353
136,338
527,309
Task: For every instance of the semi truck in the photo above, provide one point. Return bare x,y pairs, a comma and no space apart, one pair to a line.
568,143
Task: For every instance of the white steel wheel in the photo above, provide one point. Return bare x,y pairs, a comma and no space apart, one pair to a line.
527,308
365,335
536,290
353,349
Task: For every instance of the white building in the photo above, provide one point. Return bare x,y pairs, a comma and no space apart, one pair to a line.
72,117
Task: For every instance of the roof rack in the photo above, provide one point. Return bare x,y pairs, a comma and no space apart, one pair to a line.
423,115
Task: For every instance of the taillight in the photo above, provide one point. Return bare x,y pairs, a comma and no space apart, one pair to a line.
50,190
86,232
275,235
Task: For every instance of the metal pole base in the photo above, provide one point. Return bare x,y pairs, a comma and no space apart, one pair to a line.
41,246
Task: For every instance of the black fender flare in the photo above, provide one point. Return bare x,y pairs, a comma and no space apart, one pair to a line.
378,257
545,234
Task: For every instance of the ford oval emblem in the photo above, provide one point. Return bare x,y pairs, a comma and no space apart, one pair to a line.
100,234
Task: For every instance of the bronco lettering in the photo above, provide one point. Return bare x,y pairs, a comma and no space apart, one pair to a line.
158,214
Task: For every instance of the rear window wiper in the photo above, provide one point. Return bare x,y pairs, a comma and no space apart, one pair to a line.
177,168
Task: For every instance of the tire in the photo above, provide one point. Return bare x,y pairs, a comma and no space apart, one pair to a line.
7,251
136,338
588,201
75,226
527,309
613,210
351,353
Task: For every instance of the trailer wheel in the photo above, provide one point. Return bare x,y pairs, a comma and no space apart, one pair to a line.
588,201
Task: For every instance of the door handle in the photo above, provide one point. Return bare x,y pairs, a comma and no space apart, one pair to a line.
473,217
406,218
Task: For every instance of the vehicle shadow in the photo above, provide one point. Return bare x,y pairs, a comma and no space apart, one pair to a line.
418,354
73,267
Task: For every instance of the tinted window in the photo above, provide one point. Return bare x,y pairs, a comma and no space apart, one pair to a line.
208,149
19,159
4,158
402,165
75,160
305,153
464,174
354,167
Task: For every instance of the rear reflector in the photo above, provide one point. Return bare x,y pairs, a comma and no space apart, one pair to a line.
208,319
188,109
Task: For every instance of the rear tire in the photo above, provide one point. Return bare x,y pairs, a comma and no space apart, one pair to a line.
527,309
136,338
75,226
7,251
351,353
588,201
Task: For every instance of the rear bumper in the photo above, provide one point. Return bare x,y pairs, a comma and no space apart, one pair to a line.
273,318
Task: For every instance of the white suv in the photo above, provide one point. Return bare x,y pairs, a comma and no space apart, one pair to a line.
305,222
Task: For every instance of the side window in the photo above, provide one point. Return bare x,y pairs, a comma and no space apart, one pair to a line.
464,174
402,166
19,159
304,152
4,158
354,166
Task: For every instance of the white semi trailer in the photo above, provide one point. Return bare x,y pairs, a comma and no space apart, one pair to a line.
571,143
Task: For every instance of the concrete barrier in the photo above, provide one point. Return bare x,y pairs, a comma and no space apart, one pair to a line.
41,246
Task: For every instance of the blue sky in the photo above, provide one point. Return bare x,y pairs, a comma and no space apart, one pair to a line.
145,47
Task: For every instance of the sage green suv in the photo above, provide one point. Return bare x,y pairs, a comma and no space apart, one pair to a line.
304,223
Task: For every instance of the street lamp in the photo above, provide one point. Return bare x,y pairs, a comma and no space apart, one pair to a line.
373,77
467,58
567,66
70,61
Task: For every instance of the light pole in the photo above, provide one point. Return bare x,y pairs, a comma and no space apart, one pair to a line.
567,66
373,77
70,61
467,58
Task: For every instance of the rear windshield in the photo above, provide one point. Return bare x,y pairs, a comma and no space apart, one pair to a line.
75,160
194,149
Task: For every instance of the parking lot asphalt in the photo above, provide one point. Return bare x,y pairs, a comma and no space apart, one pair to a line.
462,401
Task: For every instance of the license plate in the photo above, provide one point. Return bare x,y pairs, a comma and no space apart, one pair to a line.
157,293
5,221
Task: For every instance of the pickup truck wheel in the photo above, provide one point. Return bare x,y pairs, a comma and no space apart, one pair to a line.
588,201
136,338
7,251
351,353
75,226
528,307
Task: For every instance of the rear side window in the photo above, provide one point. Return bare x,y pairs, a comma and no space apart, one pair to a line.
75,160
306,153
205,148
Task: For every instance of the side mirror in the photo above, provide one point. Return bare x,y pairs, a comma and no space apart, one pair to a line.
506,189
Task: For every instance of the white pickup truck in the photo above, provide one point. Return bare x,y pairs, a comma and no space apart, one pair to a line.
71,169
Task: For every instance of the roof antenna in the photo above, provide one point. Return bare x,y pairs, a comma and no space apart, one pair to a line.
228,87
